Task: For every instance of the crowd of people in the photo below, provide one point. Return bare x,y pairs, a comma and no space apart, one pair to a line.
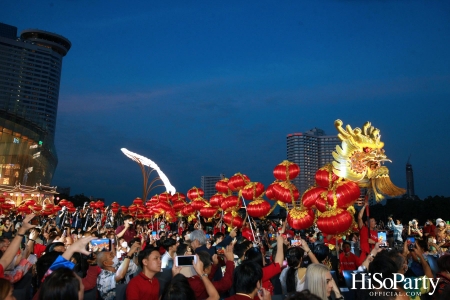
86,256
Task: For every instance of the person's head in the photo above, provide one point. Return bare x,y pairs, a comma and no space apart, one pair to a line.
197,238
294,257
178,289
105,259
346,247
319,281
184,249
254,254
388,263
6,290
240,248
205,258
170,245
56,246
398,221
444,263
129,219
247,277
62,284
186,235
149,260
7,222
372,223
218,237
4,244
321,251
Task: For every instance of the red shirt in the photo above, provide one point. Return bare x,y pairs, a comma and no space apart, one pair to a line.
38,249
143,288
128,235
221,286
238,297
269,271
430,229
363,239
2,273
348,262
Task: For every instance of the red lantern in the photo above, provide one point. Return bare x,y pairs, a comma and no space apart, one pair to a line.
345,193
300,219
6,205
138,201
195,193
310,196
216,200
238,181
22,208
164,206
286,192
64,202
325,176
286,171
124,209
252,190
99,204
114,209
270,191
258,208
232,219
91,204
198,203
30,202
335,221
230,203
247,233
208,212
187,210
2,200
36,207
56,208
178,197
115,204
178,205
164,197
321,204
71,209
47,213
222,186
132,208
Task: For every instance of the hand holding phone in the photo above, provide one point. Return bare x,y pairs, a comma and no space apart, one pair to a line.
186,261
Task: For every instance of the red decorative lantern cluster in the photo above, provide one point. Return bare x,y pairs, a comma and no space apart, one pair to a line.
232,219
252,190
195,193
325,176
335,221
258,208
238,181
300,218
286,171
222,186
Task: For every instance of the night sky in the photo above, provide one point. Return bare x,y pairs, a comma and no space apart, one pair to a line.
210,87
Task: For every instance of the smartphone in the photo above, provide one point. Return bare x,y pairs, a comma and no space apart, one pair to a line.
208,236
382,239
296,243
220,250
185,260
99,245
411,243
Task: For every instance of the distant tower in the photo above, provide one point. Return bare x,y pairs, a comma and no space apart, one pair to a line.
409,181
208,185
310,151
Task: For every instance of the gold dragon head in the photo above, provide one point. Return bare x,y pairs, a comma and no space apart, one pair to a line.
360,158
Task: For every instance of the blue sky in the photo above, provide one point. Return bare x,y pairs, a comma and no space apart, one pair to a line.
210,87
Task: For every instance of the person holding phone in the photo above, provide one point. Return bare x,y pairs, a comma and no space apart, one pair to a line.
126,230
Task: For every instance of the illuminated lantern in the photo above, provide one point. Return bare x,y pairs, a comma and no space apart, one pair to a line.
30,202
232,219
187,210
252,190
286,192
138,201
140,216
247,233
335,221
300,219
208,211
216,200
286,171
91,204
321,204
222,186
164,206
47,213
124,209
115,204
270,191
195,193
6,205
114,209
198,203
230,203
132,208
48,206
178,197
238,181
56,208
2,199
258,208
325,176
64,202
178,205
345,193
164,197
99,204
310,196
154,199
146,216
36,207
171,216
22,208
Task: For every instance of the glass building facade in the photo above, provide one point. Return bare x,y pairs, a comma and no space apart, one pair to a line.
30,72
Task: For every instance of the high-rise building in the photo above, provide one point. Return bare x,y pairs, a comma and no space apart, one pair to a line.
409,181
310,151
208,185
30,72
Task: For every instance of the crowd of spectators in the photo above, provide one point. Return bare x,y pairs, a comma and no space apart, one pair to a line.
59,258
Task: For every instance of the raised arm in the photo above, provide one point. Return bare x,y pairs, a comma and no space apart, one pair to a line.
360,216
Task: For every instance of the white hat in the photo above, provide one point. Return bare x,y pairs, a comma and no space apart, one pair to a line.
439,220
